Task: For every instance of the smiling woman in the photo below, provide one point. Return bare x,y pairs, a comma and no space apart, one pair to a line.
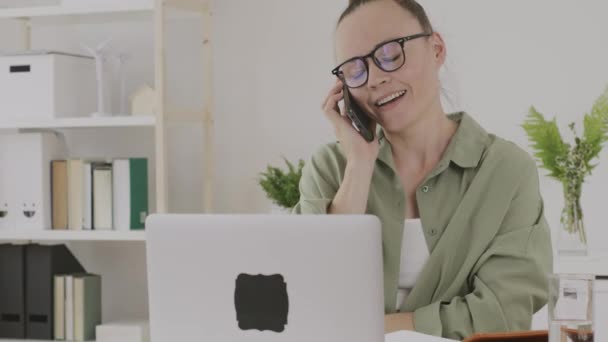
466,244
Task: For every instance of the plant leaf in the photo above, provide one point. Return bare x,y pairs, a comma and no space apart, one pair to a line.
596,127
547,142
282,187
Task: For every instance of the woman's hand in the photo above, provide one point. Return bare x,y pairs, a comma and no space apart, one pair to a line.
398,321
354,146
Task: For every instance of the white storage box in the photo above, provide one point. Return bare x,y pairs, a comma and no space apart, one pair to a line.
26,173
46,85
123,332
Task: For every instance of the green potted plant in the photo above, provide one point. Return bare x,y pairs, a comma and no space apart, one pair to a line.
570,163
282,186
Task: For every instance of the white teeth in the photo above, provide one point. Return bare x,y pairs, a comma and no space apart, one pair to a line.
390,98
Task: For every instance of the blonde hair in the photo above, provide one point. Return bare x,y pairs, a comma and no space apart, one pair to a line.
411,6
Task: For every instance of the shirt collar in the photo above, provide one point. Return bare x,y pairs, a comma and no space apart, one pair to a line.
465,148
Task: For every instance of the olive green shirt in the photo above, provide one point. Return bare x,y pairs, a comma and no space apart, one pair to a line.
483,220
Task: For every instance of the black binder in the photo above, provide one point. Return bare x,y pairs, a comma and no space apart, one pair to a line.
42,263
12,299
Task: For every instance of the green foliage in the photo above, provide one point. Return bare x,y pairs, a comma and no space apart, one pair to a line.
567,163
282,186
557,156
596,128
547,142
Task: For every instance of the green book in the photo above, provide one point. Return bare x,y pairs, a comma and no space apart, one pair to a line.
130,191
87,305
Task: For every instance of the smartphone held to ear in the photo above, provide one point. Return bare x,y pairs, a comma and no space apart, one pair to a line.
362,122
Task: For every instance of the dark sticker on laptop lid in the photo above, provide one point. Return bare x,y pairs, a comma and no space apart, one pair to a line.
261,302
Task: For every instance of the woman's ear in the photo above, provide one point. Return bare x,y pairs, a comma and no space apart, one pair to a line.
439,49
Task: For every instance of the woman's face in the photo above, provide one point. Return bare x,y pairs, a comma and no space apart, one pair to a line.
360,32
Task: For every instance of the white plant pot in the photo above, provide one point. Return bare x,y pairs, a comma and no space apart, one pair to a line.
278,210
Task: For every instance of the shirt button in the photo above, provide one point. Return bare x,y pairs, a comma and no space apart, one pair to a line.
425,189
433,232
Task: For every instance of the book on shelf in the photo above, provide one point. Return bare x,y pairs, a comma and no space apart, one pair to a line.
99,195
75,194
102,196
87,209
130,187
59,194
77,306
68,306
87,306
59,307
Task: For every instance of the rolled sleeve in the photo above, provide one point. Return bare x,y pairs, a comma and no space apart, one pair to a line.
428,321
319,183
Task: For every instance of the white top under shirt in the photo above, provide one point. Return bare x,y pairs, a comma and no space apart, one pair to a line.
414,254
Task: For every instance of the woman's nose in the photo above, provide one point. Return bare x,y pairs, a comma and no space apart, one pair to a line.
376,76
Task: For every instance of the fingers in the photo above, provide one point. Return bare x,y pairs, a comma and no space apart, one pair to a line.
330,105
336,88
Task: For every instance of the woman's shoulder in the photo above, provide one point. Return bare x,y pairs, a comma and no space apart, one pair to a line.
506,156
328,158
328,151
475,146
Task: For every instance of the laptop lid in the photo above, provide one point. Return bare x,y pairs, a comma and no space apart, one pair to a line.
265,278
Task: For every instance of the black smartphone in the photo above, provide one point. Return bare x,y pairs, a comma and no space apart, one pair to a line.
361,121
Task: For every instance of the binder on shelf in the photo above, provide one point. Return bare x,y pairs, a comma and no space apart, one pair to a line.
32,182
12,297
42,263
130,193
8,210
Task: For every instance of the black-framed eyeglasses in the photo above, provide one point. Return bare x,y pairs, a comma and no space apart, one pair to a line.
388,56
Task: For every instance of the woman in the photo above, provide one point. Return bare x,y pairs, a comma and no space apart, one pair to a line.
466,245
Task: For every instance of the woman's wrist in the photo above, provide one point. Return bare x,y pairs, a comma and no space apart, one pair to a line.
351,198
360,167
398,321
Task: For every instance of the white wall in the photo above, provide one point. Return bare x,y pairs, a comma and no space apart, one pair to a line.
272,60
510,55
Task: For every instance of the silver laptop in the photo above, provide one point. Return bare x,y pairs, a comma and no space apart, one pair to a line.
287,278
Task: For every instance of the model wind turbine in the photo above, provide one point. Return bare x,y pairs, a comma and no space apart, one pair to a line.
100,59
122,59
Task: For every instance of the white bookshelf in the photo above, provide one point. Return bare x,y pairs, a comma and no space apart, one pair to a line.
119,256
158,11
72,235
82,8
22,340
81,122
75,11
108,8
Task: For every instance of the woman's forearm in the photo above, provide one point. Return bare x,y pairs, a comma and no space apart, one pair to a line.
352,195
